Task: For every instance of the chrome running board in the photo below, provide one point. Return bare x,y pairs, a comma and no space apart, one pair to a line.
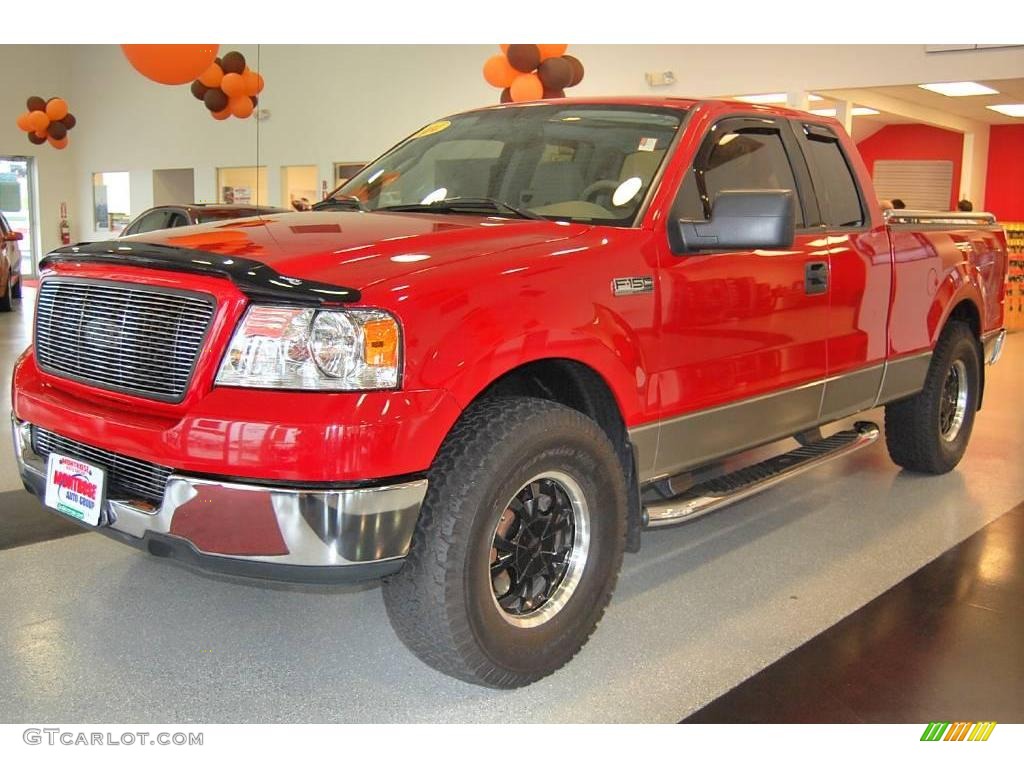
725,489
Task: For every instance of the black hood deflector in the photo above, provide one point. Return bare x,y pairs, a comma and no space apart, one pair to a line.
253,278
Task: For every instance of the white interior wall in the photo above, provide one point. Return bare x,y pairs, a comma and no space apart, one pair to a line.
42,71
345,103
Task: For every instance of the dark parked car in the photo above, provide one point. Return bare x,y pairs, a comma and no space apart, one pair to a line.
170,216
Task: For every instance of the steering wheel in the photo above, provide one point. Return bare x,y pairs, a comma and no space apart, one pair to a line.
602,185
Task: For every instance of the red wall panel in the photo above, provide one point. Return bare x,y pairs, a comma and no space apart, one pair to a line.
915,142
1004,182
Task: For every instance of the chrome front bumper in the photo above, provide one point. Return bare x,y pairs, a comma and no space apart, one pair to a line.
291,534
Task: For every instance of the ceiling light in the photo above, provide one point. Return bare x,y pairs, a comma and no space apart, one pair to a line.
1010,110
966,88
772,98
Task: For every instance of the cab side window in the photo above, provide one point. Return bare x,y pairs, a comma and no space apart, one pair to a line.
744,158
150,222
834,182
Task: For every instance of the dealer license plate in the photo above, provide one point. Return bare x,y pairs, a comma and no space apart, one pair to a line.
75,488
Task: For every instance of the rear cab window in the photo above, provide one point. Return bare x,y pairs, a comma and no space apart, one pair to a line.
834,182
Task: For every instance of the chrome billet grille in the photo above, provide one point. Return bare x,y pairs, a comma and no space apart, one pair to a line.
120,336
126,478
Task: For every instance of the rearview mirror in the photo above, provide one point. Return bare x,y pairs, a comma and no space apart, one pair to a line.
741,220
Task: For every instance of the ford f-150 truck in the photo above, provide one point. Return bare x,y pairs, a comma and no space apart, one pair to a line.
491,359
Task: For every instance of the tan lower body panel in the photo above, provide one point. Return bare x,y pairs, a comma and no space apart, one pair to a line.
685,442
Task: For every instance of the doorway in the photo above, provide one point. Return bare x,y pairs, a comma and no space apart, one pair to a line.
299,187
174,186
18,203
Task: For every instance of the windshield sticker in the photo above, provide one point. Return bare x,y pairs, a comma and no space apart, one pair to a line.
437,127
647,145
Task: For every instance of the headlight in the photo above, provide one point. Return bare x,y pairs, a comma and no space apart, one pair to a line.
291,348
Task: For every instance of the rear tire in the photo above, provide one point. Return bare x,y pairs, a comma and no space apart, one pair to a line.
930,431
16,290
518,544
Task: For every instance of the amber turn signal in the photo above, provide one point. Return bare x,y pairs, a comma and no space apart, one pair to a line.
380,343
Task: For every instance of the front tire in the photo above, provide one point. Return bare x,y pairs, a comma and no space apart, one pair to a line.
518,545
930,431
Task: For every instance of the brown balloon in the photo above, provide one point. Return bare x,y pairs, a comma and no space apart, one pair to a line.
36,104
525,58
36,139
233,61
215,100
255,101
198,89
556,73
577,70
506,96
69,121
57,130
553,93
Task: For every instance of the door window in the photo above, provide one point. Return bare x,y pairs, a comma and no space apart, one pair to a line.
149,222
742,158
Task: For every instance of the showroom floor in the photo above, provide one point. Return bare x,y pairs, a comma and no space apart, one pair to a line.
94,631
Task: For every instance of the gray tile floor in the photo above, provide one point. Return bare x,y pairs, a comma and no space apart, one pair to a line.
93,631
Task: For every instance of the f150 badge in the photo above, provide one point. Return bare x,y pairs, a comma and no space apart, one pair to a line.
630,286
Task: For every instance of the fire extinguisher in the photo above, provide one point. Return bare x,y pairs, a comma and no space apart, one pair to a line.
65,228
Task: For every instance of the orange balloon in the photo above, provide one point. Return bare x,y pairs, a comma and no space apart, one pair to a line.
224,114
240,106
211,76
233,84
526,87
253,82
57,143
171,64
38,120
41,134
498,72
548,51
23,121
56,109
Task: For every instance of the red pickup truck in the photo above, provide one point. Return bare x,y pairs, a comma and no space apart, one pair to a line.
486,363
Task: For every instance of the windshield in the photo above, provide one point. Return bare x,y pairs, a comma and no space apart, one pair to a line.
591,164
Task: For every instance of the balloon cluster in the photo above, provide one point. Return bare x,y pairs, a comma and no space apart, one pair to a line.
228,87
47,121
532,72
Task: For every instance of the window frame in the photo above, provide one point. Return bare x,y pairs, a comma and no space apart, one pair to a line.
801,130
805,193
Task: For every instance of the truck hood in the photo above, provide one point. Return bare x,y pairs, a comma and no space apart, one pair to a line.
355,249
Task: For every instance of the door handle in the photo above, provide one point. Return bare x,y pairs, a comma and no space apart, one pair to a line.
815,277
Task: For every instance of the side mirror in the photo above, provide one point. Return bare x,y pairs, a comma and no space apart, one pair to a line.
13,236
741,220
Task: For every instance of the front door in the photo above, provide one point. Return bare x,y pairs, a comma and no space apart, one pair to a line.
743,334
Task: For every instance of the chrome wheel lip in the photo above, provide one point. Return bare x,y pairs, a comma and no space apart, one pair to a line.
953,407
577,558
